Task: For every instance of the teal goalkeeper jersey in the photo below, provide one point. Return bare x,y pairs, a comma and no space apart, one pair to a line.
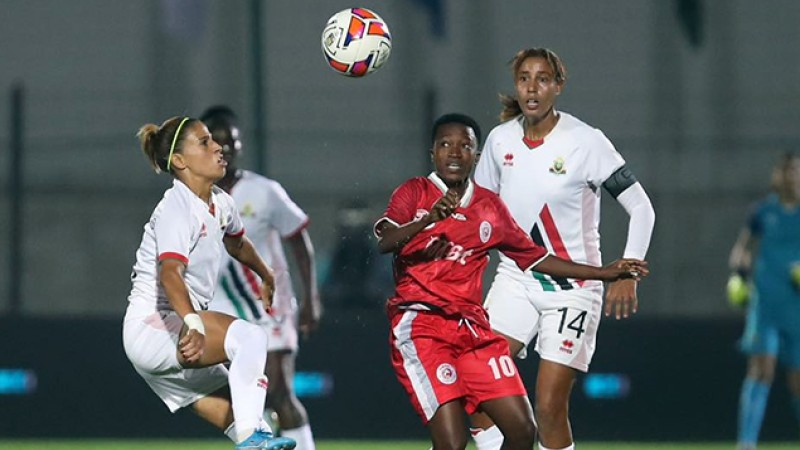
778,231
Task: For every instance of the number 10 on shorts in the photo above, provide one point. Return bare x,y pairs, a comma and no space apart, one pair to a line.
502,367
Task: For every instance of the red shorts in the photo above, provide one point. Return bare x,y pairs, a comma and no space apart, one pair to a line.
440,358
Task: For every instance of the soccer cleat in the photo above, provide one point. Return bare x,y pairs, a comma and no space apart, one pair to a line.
264,440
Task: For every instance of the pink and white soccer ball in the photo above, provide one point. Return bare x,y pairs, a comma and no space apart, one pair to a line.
356,42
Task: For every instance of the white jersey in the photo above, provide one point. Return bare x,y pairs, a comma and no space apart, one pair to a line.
269,216
184,227
552,188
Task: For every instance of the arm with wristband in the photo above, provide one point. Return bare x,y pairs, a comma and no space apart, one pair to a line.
621,298
192,343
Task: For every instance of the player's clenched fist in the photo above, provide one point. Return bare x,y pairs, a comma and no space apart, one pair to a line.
445,206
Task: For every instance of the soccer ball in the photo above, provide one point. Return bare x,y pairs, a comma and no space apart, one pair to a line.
356,42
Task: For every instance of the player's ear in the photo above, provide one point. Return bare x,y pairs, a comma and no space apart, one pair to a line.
178,161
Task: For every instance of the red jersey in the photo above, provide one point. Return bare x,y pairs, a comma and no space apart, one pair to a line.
480,223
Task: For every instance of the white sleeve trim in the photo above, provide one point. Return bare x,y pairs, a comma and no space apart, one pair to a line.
383,219
538,261
642,220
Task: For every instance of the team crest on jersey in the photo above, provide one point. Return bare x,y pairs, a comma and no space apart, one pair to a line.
558,166
508,159
485,231
247,210
446,373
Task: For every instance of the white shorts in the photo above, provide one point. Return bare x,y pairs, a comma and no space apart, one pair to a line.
566,322
280,328
282,332
151,345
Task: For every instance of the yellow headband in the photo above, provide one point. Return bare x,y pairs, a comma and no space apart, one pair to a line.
174,140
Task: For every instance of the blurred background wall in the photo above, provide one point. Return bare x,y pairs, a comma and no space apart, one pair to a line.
700,96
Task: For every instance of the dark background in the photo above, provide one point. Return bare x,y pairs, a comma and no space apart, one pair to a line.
684,382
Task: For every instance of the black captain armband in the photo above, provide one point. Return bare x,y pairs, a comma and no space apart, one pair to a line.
620,180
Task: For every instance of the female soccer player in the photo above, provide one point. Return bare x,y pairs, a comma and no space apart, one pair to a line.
773,317
269,216
548,168
440,229
173,342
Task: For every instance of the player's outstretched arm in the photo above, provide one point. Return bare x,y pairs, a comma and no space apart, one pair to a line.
619,269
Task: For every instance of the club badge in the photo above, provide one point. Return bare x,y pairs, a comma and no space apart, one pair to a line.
558,166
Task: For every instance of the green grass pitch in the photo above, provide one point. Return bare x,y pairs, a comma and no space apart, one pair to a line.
334,445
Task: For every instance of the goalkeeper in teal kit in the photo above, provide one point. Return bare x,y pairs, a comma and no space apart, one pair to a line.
771,240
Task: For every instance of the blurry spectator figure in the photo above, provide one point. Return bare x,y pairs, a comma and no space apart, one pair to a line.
358,275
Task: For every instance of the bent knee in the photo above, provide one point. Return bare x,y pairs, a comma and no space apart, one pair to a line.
521,436
550,408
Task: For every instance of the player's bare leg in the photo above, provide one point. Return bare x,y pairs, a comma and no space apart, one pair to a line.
447,427
216,325
513,416
281,397
292,416
215,408
553,388
483,427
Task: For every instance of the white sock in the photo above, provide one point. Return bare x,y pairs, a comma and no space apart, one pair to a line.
264,425
489,439
246,348
569,447
302,435
231,432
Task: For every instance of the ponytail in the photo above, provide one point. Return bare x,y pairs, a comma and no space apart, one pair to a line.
160,142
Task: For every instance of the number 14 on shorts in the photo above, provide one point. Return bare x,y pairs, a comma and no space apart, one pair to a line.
572,320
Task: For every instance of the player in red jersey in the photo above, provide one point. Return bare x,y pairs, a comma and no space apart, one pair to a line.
444,353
